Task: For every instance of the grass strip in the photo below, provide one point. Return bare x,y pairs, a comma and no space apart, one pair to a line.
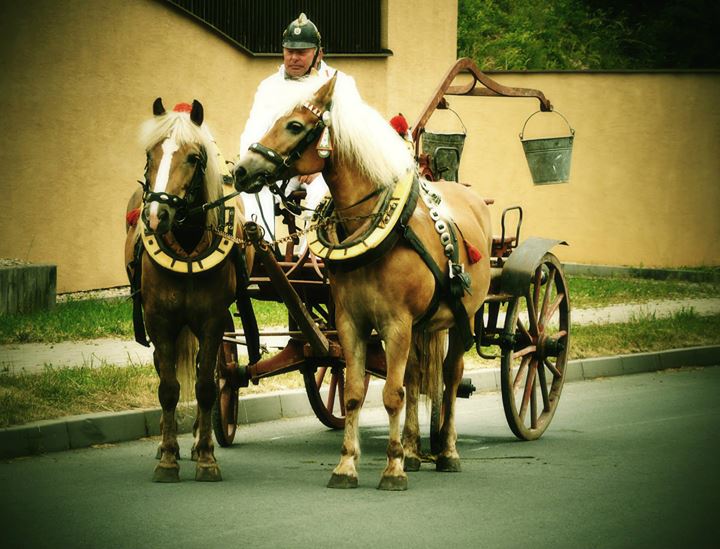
58,392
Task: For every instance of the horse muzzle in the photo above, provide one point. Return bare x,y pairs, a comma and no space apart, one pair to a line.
158,220
248,183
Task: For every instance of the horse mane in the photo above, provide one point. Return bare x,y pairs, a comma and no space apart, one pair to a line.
359,133
179,125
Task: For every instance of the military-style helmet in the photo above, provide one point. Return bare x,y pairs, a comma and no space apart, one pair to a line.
301,34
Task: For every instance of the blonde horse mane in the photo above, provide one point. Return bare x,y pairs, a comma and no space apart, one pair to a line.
179,125
357,129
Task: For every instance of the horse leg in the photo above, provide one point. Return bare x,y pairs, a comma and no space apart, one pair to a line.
449,460
397,347
411,430
206,468
167,470
355,348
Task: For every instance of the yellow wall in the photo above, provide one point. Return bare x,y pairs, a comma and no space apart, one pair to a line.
644,186
79,77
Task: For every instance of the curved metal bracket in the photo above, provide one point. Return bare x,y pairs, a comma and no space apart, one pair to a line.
518,270
490,89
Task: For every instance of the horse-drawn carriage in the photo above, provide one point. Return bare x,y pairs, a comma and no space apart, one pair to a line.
382,269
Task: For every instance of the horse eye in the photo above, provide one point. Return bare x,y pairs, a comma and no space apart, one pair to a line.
193,158
295,127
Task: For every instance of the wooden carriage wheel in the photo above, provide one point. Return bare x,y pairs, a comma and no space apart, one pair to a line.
329,407
535,350
225,411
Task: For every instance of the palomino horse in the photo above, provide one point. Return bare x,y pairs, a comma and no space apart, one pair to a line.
188,275
390,258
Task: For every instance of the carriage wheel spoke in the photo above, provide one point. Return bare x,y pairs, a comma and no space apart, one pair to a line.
529,384
320,376
548,290
525,352
555,304
550,366
521,370
537,285
330,404
533,405
523,331
544,389
532,315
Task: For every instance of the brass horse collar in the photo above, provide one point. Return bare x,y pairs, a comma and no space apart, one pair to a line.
219,249
389,219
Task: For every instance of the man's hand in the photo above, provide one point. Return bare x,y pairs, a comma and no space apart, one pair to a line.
307,179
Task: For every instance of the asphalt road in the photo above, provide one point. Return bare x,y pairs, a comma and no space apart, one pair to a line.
630,461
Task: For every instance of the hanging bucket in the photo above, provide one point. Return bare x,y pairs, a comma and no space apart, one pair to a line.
549,157
445,150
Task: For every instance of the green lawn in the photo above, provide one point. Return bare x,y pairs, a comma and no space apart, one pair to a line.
87,319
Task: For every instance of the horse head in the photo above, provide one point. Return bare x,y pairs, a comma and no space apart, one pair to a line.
176,164
298,143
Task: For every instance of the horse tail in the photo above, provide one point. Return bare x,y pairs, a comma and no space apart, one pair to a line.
186,348
431,348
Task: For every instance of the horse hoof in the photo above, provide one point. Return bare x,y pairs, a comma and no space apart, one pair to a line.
166,474
208,473
411,464
448,464
393,484
342,481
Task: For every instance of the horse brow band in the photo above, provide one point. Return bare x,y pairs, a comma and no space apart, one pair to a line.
313,109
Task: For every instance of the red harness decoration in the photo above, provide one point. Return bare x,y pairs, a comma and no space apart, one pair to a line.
183,107
474,255
131,218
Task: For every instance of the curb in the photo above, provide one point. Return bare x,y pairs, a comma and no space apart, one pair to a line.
110,427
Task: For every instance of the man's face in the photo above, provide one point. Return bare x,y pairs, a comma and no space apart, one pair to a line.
297,62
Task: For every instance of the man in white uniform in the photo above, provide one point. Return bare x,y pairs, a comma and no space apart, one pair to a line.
302,54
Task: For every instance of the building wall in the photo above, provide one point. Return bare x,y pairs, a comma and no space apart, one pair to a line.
79,78
644,184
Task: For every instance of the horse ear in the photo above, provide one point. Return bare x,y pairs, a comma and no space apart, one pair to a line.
197,113
158,108
324,95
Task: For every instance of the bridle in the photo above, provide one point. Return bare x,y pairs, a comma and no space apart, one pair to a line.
284,163
181,205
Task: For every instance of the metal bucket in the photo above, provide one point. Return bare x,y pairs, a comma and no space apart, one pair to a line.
445,150
549,158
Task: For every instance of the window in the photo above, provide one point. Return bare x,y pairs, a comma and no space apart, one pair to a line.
348,27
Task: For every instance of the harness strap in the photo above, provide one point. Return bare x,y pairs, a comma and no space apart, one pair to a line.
134,271
443,289
245,308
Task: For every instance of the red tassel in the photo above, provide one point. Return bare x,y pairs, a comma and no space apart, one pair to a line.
132,217
474,255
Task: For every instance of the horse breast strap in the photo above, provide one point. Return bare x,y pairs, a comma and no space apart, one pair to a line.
218,250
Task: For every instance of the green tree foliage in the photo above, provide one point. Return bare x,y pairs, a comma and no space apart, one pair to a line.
589,34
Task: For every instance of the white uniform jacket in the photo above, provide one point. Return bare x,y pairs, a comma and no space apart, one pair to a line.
262,116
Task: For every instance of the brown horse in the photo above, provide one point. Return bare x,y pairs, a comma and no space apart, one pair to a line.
405,268
187,274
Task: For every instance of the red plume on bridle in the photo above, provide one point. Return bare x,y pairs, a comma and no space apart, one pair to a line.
195,110
399,124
